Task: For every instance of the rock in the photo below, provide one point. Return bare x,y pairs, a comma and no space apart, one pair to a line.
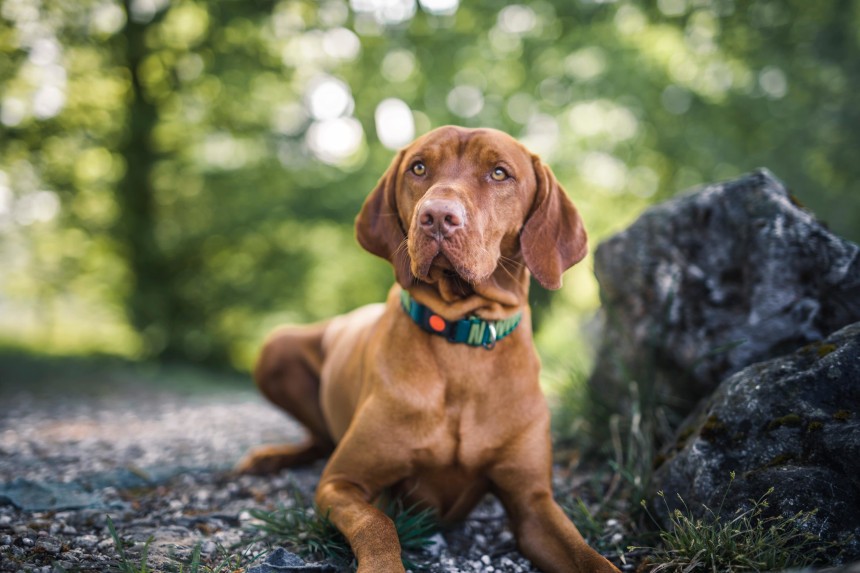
791,423
710,282
49,546
40,496
282,561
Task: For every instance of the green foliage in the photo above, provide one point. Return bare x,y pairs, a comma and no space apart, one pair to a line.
314,536
170,187
747,541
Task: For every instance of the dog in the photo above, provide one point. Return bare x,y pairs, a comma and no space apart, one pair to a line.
434,395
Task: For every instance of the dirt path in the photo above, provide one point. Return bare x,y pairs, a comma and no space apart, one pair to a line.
155,457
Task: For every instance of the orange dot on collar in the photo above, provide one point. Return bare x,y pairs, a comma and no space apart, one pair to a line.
437,323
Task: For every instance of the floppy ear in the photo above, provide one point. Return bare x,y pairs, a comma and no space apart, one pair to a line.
553,238
378,227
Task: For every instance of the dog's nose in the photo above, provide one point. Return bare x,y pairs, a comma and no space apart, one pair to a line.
441,217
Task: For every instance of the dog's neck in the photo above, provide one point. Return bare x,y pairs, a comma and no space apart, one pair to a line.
501,295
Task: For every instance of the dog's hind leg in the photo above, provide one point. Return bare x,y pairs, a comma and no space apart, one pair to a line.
288,374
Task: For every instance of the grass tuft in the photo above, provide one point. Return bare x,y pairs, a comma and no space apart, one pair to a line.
126,564
748,541
314,536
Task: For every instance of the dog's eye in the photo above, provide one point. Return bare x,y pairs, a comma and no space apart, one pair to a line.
499,174
419,168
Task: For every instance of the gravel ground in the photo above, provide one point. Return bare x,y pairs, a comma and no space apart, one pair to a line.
157,460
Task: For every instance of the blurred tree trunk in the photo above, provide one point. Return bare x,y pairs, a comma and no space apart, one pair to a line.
149,300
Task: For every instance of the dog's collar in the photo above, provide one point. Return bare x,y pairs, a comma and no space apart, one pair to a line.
472,330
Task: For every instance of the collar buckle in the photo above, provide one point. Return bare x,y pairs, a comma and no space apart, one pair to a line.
491,343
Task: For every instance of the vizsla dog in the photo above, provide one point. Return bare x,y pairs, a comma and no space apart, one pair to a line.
434,395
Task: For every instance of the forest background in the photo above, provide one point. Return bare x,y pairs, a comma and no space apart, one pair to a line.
178,176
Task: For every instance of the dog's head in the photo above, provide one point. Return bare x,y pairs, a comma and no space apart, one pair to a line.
458,202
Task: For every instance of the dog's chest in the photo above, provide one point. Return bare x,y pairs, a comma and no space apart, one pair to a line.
463,437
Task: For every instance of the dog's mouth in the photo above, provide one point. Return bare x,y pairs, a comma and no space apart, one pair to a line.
433,264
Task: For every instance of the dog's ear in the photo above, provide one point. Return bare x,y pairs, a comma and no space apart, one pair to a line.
378,227
553,238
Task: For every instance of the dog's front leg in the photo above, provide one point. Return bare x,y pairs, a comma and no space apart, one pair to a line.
368,459
523,482
370,532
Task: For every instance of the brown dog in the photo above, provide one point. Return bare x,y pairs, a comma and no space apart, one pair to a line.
434,395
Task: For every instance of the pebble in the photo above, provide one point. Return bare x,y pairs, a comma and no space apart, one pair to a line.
87,541
208,548
48,546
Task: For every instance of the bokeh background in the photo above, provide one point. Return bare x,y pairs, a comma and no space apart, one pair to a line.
177,176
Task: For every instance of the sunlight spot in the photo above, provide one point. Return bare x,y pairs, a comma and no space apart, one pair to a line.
5,194
222,151
773,82
586,64
386,12
38,207
541,135
341,44
398,65
642,181
517,19
629,20
440,7
335,140
604,119
45,51
48,101
289,118
329,98
143,11
465,101
333,13
395,126
604,170
13,111
107,18
520,107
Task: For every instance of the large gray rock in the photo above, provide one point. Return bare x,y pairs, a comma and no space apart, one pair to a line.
710,282
791,423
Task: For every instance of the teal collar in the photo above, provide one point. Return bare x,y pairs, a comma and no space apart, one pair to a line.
472,330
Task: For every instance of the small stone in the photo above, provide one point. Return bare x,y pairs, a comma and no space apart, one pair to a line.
209,548
27,542
48,546
436,545
87,541
6,540
485,559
